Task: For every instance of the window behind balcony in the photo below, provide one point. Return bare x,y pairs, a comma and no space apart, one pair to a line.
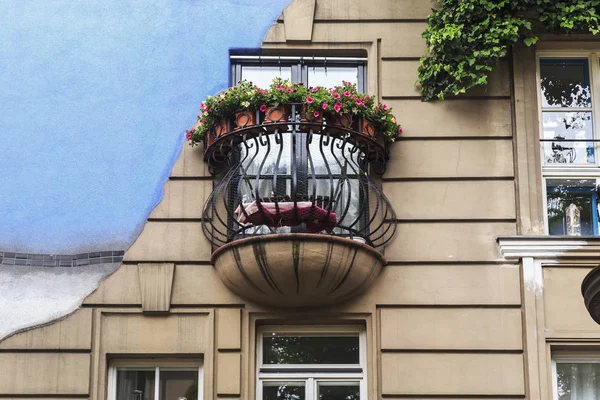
569,138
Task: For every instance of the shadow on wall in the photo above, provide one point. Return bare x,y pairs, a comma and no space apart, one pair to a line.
96,97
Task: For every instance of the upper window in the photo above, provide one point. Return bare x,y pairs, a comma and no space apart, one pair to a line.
147,380
576,378
312,71
569,134
324,363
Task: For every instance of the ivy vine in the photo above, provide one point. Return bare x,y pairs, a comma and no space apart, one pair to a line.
467,38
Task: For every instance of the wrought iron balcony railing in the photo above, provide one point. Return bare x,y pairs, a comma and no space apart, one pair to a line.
295,176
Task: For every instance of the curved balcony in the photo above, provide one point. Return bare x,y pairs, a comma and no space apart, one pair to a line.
590,289
295,219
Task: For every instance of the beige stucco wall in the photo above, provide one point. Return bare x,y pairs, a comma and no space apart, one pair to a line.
443,319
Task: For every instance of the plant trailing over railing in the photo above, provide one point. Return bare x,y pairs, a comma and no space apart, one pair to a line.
315,103
466,38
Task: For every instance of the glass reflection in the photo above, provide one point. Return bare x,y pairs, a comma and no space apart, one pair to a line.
175,384
262,76
135,384
342,392
563,126
565,83
310,349
572,206
283,391
578,381
331,76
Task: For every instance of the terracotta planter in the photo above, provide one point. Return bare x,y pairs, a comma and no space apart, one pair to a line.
343,120
367,128
276,115
245,119
305,117
220,128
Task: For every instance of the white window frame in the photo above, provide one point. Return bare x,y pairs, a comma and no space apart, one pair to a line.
157,365
569,171
570,358
313,375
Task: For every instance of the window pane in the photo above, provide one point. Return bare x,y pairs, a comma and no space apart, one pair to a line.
565,83
135,384
572,206
562,126
176,384
579,381
310,349
263,76
283,391
331,76
339,392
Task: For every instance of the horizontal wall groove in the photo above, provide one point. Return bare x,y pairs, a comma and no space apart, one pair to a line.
235,351
447,178
457,220
417,263
400,58
462,98
174,306
110,305
46,351
452,396
455,306
191,178
452,138
455,351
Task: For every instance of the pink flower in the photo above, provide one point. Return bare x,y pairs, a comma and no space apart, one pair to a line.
290,90
400,131
359,102
261,91
263,108
202,106
385,107
314,89
337,96
347,93
337,107
188,136
309,99
201,122
316,114
324,105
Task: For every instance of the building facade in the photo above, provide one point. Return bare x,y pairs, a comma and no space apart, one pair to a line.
476,300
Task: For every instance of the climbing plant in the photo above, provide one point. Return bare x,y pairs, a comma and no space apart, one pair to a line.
467,38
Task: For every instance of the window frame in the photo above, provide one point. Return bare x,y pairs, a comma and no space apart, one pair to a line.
158,364
570,358
570,171
312,375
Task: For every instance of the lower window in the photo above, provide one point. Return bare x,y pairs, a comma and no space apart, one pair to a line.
148,380
576,379
310,363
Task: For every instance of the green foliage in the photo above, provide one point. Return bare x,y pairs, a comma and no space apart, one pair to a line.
466,38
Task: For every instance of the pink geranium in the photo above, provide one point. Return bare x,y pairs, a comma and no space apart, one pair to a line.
309,99
316,114
324,105
347,93
337,107
263,108
261,91
188,136
336,95
385,107
400,131
314,90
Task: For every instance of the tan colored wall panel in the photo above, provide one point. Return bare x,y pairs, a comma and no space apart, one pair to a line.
447,284
119,288
451,329
564,310
182,199
398,39
190,162
156,282
170,241
376,9
186,286
398,79
44,373
452,200
229,373
450,158
73,332
452,374
455,118
447,241
229,328
136,333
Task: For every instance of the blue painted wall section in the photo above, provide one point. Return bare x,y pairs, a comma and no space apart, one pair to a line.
94,99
